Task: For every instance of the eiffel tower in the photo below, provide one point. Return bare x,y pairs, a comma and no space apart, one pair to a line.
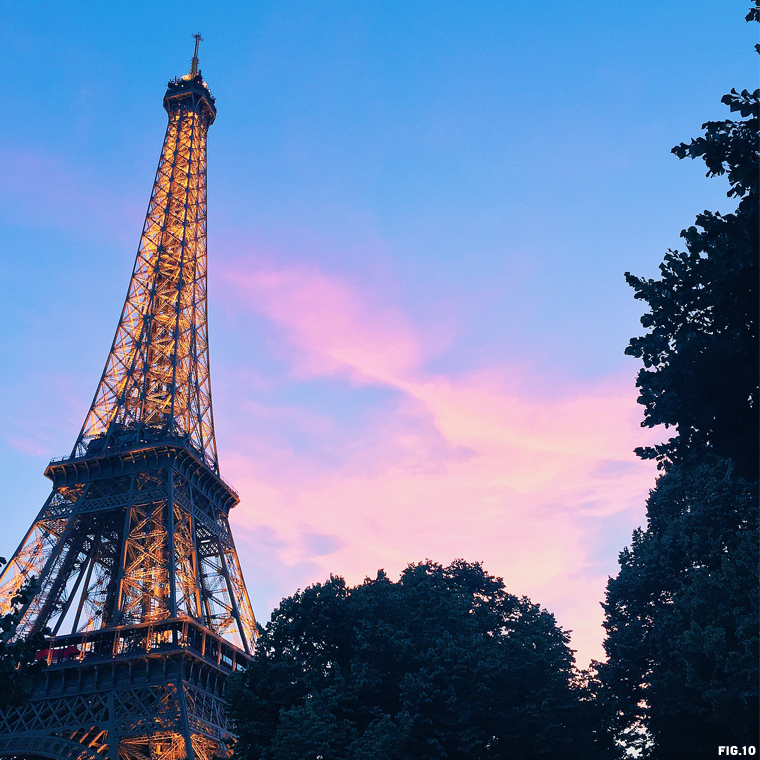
139,580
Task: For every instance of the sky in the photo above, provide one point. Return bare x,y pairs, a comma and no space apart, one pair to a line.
420,215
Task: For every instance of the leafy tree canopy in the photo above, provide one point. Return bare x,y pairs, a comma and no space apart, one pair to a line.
442,664
18,663
700,357
682,617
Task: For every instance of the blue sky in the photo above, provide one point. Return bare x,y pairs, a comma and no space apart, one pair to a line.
419,219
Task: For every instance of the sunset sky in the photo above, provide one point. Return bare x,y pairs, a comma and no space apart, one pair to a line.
420,214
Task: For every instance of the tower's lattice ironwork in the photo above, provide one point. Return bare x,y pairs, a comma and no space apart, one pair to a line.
139,579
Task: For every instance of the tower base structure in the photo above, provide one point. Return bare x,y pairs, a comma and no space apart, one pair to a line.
142,692
115,525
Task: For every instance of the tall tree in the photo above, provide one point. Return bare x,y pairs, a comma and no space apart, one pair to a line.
682,615
18,663
682,619
442,664
700,357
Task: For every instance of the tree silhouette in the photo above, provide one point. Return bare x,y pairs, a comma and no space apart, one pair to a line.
442,664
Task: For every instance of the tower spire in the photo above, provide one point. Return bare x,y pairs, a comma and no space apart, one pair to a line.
194,62
156,382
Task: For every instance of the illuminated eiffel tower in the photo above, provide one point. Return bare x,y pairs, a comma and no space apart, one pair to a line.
139,580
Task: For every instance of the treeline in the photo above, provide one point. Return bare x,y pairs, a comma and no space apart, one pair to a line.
682,614
445,663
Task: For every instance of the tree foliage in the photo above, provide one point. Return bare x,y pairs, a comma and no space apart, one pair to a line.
682,614
682,617
700,357
18,664
442,664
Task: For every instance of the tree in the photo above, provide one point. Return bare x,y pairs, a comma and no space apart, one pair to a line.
682,618
18,663
701,356
442,664
681,677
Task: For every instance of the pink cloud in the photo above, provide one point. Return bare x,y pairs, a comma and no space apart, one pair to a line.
46,409
28,446
330,325
478,465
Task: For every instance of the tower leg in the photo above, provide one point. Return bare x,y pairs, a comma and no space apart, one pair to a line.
185,724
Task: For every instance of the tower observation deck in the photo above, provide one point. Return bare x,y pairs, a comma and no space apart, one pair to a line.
139,579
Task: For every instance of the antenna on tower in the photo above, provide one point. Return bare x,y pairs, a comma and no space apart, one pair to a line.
194,62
